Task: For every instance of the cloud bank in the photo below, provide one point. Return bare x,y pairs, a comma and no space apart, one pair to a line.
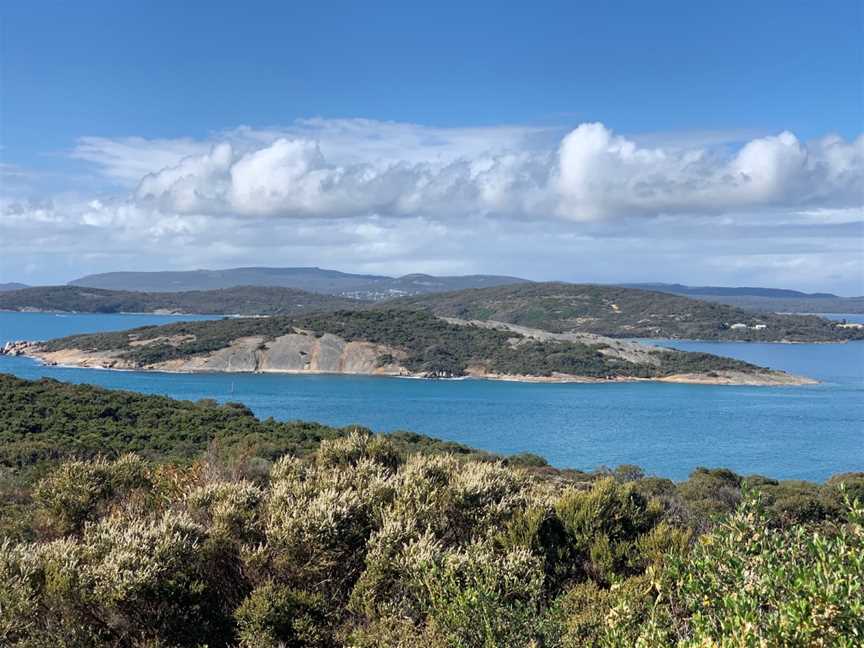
593,174
377,196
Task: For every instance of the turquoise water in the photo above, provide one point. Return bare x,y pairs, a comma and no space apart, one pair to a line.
786,432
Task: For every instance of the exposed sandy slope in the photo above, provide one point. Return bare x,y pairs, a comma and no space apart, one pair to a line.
304,353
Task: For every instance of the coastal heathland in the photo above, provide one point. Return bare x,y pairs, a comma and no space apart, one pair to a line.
239,532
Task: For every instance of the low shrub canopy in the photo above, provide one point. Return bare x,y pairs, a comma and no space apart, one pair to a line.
239,532
362,544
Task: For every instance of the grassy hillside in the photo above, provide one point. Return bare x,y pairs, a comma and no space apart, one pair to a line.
431,346
241,300
394,542
624,312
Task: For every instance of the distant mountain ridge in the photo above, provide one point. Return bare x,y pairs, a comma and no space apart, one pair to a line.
737,291
319,280
12,286
770,300
371,287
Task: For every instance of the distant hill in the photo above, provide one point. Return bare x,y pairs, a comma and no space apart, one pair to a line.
625,313
242,300
12,286
774,300
554,307
319,280
680,289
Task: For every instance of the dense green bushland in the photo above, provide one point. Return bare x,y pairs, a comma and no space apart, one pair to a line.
623,312
278,534
360,544
45,421
431,345
240,300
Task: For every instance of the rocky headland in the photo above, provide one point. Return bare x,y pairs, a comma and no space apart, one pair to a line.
477,349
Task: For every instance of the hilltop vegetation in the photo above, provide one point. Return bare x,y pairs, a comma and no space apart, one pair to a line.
240,300
625,313
556,307
361,540
424,343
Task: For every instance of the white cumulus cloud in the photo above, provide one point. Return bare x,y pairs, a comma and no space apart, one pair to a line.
593,173
367,195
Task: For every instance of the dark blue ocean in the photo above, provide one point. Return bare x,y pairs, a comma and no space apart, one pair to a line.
785,432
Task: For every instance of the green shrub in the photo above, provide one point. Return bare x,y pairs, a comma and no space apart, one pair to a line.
152,574
394,631
849,485
18,593
539,530
578,617
709,493
275,616
589,616
356,446
230,509
603,525
449,500
526,460
77,491
768,586
476,596
320,514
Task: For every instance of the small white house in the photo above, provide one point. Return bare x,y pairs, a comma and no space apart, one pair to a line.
760,327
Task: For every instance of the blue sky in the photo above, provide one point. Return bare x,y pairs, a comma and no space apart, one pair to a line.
482,103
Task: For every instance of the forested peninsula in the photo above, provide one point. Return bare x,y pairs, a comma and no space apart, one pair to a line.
134,520
392,342
239,300
627,313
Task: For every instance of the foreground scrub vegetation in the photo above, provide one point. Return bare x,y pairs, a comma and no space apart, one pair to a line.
360,540
361,545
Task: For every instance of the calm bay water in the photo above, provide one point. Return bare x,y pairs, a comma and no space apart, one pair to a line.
786,432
